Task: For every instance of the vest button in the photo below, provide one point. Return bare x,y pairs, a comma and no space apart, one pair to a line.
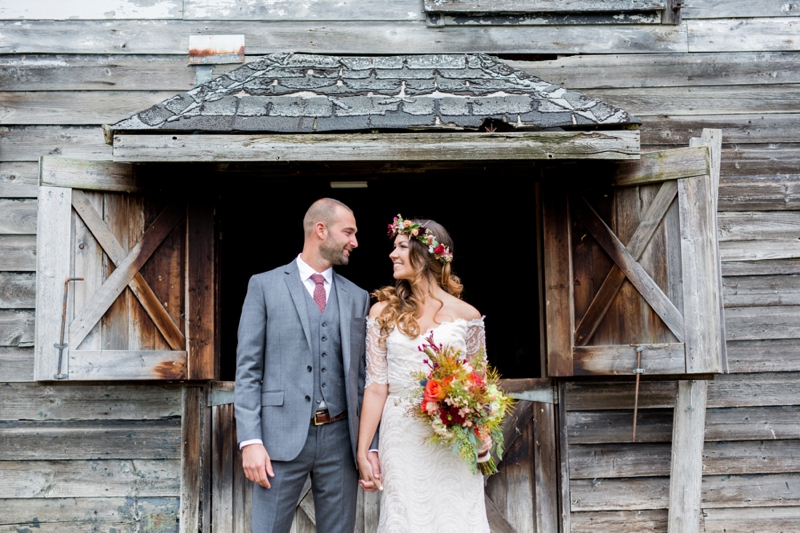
324,354
308,368
323,369
308,398
324,324
324,339
323,385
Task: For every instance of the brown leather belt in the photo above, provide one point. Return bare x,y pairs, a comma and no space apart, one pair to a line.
321,418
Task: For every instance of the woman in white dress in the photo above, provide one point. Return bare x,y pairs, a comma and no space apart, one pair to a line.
425,487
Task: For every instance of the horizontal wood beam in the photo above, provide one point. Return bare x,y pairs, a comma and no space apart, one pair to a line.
123,365
88,175
540,6
654,167
609,145
616,360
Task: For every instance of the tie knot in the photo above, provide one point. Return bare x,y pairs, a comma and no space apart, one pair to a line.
319,279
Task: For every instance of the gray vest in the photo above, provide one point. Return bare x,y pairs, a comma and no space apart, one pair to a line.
326,353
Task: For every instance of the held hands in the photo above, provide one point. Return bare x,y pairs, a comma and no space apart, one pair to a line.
257,465
369,468
483,449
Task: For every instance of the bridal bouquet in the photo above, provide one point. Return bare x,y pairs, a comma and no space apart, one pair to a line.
461,401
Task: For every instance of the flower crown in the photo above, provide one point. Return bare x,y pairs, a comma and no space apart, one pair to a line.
399,226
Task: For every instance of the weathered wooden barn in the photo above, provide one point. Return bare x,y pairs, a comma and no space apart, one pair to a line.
658,378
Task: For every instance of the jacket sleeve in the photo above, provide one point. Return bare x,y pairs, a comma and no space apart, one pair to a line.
250,353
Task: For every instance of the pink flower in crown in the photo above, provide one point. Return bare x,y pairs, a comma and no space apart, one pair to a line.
430,239
415,232
406,223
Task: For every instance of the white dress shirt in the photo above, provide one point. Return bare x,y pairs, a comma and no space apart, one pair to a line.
305,276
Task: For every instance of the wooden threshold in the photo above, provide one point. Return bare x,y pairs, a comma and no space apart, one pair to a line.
550,145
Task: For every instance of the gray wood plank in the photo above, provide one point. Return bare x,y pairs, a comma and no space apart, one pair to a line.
719,458
73,440
760,159
736,128
764,356
193,404
279,10
88,175
120,365
17,364
75,108
744,291
748,35
16,328
620,521
541,6
87,9
739,491
620,360
377,147
18,216
28,401
53,269
717,9
19,180
25,143
46,479
761,268
619,494
664,165
18,253
763,250
759,226
759,193
102,514
749,519
757,323
664,70
17,290
686,465
171,37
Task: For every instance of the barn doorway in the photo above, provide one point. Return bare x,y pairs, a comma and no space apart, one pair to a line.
491,216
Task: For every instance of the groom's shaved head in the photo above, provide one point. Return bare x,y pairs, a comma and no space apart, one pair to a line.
323,210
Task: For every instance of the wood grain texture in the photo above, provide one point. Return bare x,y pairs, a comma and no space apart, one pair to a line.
744,291
686,465
16,328
759,225
612,145
17,364
609,71
620,360
759,193
89,175
115,365
114,9
28,143
737,491
653,460
17,253
73,440
17,290
53,268
764,355
523,6
748,35
760,159
192,465
620,522
751,519
545,468
100,514
28,401
18,216
716,9
19,180
46,479
619,494
761,323
664,165
280,10
758,268
736,128
391,37
201,287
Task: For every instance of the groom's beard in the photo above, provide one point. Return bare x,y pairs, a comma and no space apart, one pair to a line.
333,252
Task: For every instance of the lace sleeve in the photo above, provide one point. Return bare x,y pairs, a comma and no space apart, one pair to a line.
377,366
476,338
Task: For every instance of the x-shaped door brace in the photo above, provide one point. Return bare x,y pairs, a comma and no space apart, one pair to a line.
626,266
126,273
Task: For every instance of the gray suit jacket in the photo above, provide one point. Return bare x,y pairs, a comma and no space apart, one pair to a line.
272,383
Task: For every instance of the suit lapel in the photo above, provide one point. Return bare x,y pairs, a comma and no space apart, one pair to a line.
296,289
345,317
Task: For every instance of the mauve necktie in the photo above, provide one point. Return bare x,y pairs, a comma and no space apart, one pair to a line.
319,291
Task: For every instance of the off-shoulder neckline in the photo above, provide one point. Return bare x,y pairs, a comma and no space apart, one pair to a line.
469,321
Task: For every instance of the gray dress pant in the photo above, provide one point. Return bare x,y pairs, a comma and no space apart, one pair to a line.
327,456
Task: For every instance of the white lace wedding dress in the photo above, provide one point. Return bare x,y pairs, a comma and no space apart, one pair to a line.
425,487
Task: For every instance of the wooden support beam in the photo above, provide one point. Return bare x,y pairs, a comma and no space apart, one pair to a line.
561,145
686,472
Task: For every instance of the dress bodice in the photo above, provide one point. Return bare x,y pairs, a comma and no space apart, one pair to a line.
395,361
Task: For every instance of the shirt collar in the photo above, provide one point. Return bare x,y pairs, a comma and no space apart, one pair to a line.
306,271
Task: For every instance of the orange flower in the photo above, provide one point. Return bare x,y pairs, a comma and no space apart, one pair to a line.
433,391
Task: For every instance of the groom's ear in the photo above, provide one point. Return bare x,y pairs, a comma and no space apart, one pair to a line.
320,230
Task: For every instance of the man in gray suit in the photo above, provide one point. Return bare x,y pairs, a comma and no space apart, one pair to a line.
300,378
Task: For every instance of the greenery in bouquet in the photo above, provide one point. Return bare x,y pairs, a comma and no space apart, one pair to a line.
460,399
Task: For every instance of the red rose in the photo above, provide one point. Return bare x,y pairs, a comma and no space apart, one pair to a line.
433,391
476,379
440,249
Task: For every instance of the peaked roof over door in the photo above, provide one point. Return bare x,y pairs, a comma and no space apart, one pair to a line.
301,93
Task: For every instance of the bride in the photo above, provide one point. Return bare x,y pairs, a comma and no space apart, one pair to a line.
426,488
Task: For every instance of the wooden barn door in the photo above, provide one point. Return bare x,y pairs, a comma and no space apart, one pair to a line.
632,268
521,498
124,278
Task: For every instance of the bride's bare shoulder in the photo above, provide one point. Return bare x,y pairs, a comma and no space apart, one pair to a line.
461,309
377,308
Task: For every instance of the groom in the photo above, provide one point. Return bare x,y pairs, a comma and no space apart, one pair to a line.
300,378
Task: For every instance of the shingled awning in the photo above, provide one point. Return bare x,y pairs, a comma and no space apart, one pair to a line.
300,93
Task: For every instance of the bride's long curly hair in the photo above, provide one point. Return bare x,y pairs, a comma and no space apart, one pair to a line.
404,299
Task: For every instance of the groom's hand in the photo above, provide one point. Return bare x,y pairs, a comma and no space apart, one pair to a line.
372,457
257,465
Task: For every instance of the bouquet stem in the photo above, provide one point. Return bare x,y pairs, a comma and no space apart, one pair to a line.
488,468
